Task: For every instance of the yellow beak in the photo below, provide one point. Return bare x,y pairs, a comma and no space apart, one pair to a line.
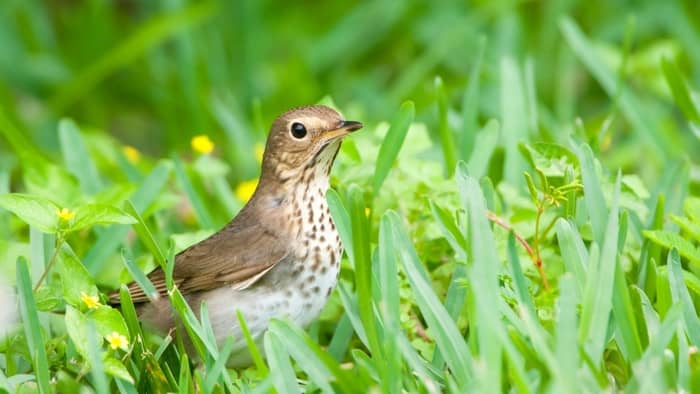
346,127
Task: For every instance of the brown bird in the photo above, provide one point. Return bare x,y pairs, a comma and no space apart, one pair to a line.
280,256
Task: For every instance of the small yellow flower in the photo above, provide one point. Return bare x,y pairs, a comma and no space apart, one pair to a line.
117,341
92,302
132,154
367,211
65,214
202,144
259,151
245,189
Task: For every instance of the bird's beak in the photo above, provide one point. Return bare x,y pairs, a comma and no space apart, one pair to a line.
345,127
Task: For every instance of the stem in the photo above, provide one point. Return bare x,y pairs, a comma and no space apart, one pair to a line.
59,243
536,260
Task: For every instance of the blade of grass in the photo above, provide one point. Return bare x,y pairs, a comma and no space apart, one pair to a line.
392,143
281,372
97,368
341,218
32,328
139,277
77,158
680,295
449,150
145,234
470,104
198,205
598,303
446,334
318,365
107,242
388,307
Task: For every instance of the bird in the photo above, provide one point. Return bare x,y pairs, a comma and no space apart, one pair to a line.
279,257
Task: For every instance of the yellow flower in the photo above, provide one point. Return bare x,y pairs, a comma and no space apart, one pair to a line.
367,211
259,151
65,214
132,154
117,341
202,144
92,302
245,189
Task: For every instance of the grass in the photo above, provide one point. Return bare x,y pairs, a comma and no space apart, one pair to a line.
521,212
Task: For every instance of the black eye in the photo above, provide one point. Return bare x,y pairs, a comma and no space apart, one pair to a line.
298,130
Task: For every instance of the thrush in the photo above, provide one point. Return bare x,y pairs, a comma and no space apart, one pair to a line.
280,255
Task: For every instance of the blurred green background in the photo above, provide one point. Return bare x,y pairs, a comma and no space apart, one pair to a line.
153,74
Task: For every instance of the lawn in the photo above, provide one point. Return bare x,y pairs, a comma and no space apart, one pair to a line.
520,212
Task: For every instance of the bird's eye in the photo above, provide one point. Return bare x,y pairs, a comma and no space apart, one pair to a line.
298,130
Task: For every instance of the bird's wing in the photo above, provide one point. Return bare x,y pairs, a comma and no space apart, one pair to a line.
236,255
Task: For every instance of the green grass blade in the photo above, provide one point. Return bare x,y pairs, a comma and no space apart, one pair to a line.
388,307
77,158
680,90
392,144
281,371
631,107
341,218
252,346
487,141
470,105
97,367
447,140
566,333
624,315
32,327
145,234
446,334
595,202
138,276
680,295
596,314
321,368
108,241
200,209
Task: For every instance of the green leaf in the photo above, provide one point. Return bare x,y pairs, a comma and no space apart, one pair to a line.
690,227
46,299
552,159
32,327
75,278
93,214
35,211
76,326
200,208
670,240
116,368
108,320
392,143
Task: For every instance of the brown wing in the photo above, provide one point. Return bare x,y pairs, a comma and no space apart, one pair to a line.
237,255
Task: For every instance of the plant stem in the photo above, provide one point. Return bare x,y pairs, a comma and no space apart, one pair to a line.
59,243
537,261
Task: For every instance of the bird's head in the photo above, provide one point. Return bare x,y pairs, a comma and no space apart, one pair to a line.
303,142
